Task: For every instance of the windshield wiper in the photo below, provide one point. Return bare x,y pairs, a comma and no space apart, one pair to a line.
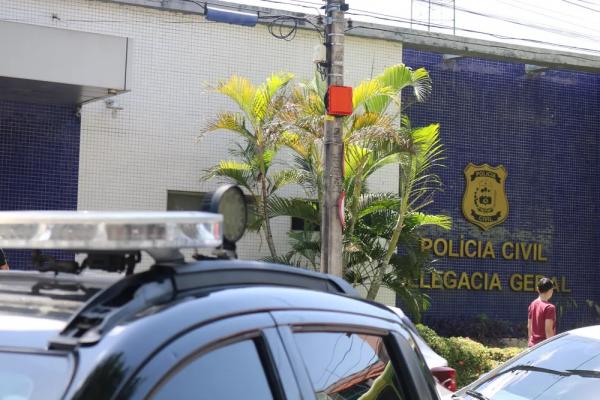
520,367
584,373
476,394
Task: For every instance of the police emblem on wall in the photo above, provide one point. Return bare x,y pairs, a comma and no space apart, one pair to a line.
484,202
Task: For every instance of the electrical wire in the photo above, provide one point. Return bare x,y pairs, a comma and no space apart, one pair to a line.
519,5
500,45
543,28
287,3
582,6
277,27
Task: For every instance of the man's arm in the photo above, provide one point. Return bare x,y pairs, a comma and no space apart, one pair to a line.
550,320
528,327
549,325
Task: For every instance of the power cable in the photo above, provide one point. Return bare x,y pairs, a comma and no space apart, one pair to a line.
582,6
543,28
500,46
519,5
280,26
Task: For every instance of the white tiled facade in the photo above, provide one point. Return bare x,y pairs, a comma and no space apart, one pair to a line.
130,158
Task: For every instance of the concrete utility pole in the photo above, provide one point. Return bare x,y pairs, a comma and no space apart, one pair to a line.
331,223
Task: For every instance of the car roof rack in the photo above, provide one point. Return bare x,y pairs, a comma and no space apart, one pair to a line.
162,283
238,272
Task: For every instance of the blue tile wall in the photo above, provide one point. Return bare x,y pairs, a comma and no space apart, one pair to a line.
39,162
544,128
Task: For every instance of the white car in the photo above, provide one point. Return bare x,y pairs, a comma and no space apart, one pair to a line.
438,365
564,367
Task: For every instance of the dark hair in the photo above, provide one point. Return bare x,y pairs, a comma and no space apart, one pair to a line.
544,284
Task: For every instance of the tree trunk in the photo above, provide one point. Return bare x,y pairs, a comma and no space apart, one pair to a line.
380,271
265,215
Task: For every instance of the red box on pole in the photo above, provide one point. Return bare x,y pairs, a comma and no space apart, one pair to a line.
339,100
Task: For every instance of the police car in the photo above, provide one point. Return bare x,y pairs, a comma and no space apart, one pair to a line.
212,327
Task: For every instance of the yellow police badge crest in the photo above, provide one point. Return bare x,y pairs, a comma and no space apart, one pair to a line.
484,202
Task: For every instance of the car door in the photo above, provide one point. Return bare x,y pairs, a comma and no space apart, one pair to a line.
235,358
340,356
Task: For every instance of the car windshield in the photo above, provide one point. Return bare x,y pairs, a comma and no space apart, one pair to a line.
565,368
29,376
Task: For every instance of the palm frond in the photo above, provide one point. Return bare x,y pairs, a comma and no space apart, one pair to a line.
370,95
265,93
374,202
400,76
232,172
305,209
285,177
233,122
418,219
241,91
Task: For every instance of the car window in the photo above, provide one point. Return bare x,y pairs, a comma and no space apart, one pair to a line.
566,352
231,372
33,376
346,365
555,375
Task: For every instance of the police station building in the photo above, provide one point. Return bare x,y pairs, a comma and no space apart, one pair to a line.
102,103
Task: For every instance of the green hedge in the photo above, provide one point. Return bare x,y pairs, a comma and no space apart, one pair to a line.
469,358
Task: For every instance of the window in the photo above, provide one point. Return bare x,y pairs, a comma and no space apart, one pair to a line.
33,376
185,201
231,372
568,369
298,224
346,366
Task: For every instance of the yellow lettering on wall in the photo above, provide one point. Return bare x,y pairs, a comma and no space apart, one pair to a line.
540,256
563,285
450,280
476,278
436,247
469,253
528,283
525,250
422,283
516,282
436,281
489,250
495,282
426,244
451,252
506,253
464,281
556,284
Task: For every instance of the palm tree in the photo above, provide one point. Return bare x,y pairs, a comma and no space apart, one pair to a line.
376,135
257,125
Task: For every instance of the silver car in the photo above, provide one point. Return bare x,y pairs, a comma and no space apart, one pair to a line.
564,367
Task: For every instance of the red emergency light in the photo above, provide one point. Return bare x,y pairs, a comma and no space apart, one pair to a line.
339,100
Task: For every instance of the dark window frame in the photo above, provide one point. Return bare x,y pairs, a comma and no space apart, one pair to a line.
265,358
386,338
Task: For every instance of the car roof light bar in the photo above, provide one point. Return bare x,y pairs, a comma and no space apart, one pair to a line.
109,230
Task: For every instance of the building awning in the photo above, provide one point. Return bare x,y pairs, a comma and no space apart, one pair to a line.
59,66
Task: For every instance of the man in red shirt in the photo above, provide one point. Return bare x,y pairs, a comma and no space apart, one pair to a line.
541,323
3,263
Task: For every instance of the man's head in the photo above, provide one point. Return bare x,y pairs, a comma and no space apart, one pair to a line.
545,286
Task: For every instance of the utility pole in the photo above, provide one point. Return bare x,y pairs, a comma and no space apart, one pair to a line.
332,207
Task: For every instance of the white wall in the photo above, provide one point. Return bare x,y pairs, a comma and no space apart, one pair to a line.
130,158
